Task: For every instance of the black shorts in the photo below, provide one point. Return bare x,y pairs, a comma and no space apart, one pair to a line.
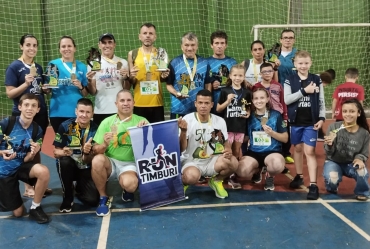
152,114
260,157
10,197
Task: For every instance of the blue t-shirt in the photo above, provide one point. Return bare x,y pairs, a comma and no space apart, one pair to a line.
19,141
67,128
15,76
179,77
275,121
64,99
286,66
220,69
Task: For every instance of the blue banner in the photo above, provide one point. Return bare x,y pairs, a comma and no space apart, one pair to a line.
157,154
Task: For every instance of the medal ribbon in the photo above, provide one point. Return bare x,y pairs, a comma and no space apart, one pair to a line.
109,60
238,97
150,63
191,73
25,64
85,134
73,70
255,72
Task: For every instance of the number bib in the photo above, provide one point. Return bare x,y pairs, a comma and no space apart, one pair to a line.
149,87
260,138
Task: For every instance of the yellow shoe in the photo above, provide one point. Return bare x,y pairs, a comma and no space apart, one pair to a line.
289,159
185,188
217,186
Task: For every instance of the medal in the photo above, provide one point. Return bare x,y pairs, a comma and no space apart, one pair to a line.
73,76
33,70
192,85
191,72
148,76
119,65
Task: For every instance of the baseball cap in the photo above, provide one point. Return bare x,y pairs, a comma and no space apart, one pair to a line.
107,35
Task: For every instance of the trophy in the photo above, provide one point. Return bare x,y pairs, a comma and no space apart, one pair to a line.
9,148
33,70
274,52
74,133
94,59
244,111
162,60
52,74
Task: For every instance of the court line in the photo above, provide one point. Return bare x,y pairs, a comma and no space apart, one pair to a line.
230,204
345,220
103,235
326,204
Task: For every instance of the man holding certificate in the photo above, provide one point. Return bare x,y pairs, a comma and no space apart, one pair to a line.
148,68
73,143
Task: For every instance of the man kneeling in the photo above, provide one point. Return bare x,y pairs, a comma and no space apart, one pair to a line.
73,149
203,139
18,149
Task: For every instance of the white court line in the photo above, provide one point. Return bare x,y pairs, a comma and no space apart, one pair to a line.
326,204
103,236
231,204
345,220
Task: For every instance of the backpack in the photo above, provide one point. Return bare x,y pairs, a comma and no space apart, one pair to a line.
11,124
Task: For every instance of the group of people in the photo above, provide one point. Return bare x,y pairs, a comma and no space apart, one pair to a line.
235,120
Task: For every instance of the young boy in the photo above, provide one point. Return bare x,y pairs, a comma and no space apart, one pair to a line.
304,97
347,90
17,150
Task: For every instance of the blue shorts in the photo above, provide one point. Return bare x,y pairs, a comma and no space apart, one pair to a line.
303,134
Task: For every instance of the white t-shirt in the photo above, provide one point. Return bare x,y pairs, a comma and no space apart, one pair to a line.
213,134
252,75
108,84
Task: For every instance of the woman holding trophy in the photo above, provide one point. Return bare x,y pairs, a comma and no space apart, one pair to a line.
67,81
23,76
347,150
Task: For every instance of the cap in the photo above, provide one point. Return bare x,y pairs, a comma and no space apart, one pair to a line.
107,35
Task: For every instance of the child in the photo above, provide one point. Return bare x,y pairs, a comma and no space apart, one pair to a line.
276,94
342,159
234,103
304,97
347,90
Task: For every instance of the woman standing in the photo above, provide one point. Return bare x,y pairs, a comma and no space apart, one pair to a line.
22,76
69,75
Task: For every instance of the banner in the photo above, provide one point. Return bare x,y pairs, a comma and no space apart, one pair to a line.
157,154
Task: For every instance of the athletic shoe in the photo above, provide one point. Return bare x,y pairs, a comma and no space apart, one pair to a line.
313,192
38,215
202,179
264,170
233,182
257,178
104,206
269,182
217,186
66,206
297,182
285,170
289,159
126,196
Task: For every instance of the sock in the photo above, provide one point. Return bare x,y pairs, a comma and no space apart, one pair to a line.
313,183
35,205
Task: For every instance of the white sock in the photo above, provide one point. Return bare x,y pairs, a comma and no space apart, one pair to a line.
35,205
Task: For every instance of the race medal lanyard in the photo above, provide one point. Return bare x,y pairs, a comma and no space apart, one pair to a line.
261,138
28,134
148,64
71,71
203,142
255,72
238,97
31,67
191,73
87,130
342,127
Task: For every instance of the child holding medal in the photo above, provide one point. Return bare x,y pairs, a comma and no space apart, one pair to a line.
347,150
266,131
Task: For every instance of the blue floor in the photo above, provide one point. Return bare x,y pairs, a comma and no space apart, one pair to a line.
247,219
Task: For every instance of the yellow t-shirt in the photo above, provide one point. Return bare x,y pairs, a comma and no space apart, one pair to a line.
147,94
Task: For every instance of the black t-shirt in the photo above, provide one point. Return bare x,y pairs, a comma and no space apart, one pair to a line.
233,111
304,112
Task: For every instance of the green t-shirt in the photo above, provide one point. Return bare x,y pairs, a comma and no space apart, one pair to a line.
120,148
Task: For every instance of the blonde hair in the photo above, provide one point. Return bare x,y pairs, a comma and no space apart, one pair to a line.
302,54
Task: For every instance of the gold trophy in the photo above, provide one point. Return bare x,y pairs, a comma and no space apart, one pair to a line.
52,75
9,148
74,133
94,59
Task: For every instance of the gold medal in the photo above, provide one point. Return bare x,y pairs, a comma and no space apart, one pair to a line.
33,70
148,76
119,65
192,85
73,76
